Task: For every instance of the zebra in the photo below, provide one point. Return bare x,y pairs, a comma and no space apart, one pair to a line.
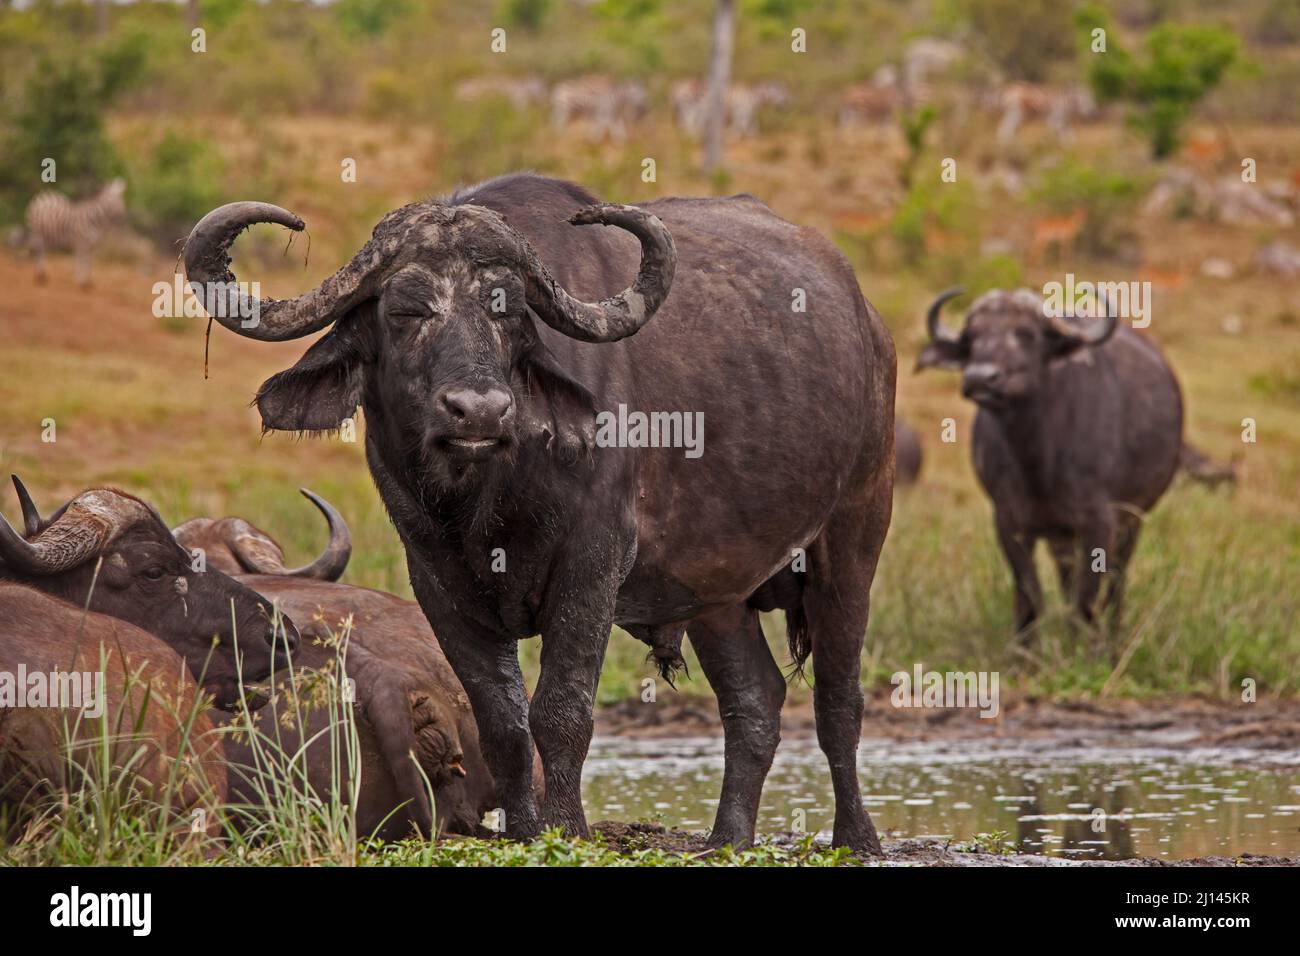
519,92
606,104
741,105
55,222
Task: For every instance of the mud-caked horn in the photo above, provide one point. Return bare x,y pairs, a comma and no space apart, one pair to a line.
207,267
618,316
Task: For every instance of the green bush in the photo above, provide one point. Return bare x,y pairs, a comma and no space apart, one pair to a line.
1180,65
179,181
1000,271
59,115
369,18
1105,196
526,14
932,209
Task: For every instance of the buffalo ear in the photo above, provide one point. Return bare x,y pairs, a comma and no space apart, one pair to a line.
941,353
559,410
323,388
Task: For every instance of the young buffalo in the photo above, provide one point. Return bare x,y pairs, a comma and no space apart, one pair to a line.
111,552
145,708
1077,436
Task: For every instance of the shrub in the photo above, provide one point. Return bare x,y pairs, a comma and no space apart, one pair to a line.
176,185
1105,196
369,18
1181,64
60,116
525,14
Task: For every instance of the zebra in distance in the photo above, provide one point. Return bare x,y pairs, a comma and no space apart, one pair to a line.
607,105
57,223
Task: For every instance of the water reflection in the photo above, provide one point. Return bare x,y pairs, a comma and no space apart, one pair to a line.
1065,801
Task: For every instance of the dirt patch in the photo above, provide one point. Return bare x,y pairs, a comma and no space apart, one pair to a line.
1179,722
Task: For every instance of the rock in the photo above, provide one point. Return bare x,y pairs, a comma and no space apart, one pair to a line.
1279,258
1216,268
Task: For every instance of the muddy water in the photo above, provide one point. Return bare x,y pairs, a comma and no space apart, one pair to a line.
1048,797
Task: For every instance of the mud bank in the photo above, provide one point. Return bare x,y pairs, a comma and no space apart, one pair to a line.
1177,722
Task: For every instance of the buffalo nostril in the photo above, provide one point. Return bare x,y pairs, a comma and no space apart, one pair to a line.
498,404
484,408
455,403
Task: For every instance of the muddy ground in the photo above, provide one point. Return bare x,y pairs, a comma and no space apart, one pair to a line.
1267,726
630,837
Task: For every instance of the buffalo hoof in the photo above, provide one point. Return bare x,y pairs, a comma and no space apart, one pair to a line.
861,838
736,841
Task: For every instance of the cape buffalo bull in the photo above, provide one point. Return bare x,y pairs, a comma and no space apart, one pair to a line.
143,714
483,334
1077,436
233,546
409,698
111,552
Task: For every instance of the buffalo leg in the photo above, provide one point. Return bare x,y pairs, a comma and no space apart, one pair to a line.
1098,536
836,600
1019,552
1130,526
489,670
1065,552
750,689
573,649
38,252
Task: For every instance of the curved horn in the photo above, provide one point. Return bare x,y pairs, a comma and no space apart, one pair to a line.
88,523
261,559
31,516
207,267
622,315
932,324
333,561
1094,334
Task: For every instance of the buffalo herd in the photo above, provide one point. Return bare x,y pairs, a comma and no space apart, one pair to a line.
485,334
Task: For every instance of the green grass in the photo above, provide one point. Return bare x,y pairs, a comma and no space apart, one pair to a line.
554,849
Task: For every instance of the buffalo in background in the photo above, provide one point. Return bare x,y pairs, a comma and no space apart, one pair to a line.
1078,434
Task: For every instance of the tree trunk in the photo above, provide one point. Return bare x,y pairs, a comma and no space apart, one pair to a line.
715,118
192,14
